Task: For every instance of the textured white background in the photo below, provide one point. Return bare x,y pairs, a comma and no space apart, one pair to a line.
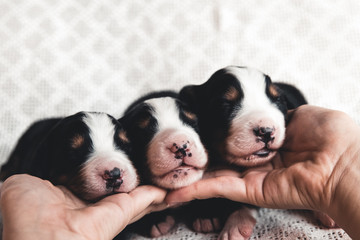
60,57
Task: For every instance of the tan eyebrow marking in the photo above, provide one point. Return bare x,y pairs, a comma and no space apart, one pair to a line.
190,115
231,94
273,91
143,123
77,141
123,137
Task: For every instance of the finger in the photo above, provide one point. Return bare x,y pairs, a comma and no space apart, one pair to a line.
157,203
262,188
139,199
221,172
223,186
228,184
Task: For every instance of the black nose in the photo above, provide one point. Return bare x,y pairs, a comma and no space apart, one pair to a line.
113,174
264,133
113,178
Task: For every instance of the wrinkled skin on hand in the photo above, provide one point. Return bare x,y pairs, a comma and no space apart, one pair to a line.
305,174
32,207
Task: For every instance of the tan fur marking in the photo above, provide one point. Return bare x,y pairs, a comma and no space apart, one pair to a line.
77,141
272,90
232,94
123,137
190,115
144,122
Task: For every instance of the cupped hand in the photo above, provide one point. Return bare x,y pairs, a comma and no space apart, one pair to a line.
305,173
35,209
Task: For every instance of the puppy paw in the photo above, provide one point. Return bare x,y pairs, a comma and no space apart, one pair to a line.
325,220
239,225
206,225
162,228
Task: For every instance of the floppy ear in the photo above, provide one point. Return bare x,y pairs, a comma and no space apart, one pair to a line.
218,94
190,97
293,96
41,162
48,159
21,158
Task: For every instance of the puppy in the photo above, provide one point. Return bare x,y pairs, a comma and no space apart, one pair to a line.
241,115
166,149
84,152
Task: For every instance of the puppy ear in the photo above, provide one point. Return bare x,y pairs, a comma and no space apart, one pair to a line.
293,96
21,158
48,159
190,97
41,164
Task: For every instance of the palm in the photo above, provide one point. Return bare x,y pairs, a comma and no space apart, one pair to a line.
30,204
300,176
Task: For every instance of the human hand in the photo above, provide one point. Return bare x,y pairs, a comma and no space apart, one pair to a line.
35,209
310,172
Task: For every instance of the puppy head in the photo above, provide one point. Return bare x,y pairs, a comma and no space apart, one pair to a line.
85,152
241,114
166,147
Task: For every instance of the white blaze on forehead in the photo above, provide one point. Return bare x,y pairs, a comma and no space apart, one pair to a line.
253,85
255,100
161,160
256,108
105,157
166,112
101,131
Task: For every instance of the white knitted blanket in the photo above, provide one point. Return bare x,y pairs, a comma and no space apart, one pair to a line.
61,57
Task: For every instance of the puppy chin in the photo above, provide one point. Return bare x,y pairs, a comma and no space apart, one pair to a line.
250,160
178,178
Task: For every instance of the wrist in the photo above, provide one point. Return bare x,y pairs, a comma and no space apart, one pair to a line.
346,194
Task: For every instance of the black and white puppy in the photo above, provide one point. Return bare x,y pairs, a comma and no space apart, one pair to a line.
84,152
166,148
241,115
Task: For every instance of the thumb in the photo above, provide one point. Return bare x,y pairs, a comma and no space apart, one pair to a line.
230,187
111,214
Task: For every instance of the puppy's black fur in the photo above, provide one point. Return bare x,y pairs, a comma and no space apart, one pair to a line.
47,150
216,102
141,126
215,109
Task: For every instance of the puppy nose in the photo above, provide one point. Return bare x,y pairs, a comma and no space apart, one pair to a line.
264,133
181,150
113,178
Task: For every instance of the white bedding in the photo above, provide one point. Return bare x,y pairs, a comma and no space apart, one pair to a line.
60,57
